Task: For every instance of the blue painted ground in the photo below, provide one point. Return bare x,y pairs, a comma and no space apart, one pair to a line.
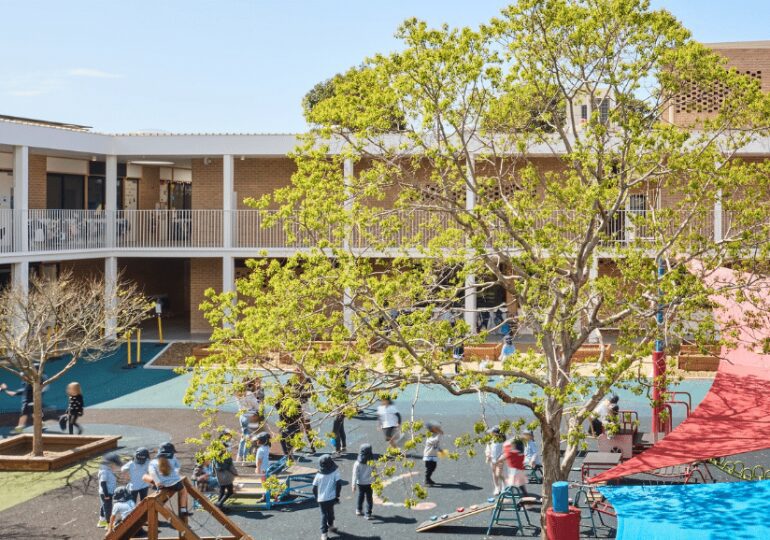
101,381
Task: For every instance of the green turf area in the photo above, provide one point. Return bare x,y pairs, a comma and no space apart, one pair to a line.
19,487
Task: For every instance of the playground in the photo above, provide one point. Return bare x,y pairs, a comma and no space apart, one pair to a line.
144,406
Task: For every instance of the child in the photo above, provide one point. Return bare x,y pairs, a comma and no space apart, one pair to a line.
167,448
513,450
107,484
165,475
390,421
74,407
531,456
431,452
122,508
494,457
262,441
203,475
225,471
508,349
327,486
137,469
362,479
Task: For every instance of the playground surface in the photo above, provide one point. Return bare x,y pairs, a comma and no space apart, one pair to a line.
144,406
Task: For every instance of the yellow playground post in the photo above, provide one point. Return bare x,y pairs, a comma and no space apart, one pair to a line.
139,346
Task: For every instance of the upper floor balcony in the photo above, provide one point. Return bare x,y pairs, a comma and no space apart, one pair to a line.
203,232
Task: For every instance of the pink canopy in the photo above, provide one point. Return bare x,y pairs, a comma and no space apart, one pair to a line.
734,417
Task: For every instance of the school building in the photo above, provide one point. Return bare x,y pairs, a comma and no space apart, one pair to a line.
166,209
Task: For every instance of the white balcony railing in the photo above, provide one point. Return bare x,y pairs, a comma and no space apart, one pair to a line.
86,230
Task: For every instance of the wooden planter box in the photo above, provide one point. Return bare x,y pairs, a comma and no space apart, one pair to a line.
697,362
61,450
591,352
483,351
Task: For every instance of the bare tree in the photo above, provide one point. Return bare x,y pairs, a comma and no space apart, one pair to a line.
68,317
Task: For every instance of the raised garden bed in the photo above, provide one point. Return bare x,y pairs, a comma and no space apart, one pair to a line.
483,351
693,358
60,451
591,352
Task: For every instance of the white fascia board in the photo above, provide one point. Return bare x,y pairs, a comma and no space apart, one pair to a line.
204,145
42,137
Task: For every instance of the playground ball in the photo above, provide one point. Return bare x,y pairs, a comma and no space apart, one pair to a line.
461,510
492,499
433,518
445,516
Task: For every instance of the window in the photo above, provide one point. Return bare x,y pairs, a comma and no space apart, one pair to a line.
179,196
637,203
584,113
65,191
96,194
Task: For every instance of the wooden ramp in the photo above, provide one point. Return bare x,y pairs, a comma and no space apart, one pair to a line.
440,521
146,514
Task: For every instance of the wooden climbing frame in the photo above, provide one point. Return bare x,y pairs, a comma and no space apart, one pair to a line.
146,514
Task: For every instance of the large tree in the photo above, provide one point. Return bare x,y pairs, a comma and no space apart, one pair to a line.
533,148
62,317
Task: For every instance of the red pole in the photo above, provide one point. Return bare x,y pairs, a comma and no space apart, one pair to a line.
658,390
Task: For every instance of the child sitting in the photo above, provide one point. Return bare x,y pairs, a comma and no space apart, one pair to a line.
362,480
137,469
107,484
203,475
262,442
327,486
164,475
494,457
122,508
431,452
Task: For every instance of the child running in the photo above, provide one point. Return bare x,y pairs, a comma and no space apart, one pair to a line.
327,486
362,480
431,452
494,457
74,407
390,421
107,484
137,469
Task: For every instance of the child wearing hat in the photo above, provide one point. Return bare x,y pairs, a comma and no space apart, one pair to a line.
122,507
164,474
431,452
327,486
262,442
531,454
362,480
513,450
493,454
107,483
508,349
137,469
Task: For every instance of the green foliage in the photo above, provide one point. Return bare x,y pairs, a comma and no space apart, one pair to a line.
482,114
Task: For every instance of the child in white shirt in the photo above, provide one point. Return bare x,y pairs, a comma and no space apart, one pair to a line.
493,455
327,486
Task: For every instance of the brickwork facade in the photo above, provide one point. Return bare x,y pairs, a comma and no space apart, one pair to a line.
38,180
204,274
149,188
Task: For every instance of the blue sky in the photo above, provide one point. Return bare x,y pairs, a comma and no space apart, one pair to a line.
232,65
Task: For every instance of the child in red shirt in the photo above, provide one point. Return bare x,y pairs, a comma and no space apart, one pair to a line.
513,451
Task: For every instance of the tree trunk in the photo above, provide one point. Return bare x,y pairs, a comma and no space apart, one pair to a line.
37,419
551,470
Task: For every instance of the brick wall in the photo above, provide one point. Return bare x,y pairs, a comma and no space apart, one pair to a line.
204,273
258,177
207,184
37,181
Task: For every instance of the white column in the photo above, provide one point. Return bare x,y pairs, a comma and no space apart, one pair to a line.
347,297
228,199
20,276
718,217
471,294
111,199
21,197
110,296
228,274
